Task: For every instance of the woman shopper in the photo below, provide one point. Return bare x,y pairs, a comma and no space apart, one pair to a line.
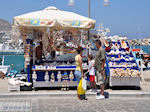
79,70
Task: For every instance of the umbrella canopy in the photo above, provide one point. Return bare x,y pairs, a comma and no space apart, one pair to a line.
54,18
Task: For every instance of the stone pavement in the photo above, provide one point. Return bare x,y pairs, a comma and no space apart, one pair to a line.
120,100
3,85
145,87
72,104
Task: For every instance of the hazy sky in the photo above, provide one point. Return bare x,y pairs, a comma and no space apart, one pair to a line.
123,17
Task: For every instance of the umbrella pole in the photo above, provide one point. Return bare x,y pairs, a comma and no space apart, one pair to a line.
89,3
89,8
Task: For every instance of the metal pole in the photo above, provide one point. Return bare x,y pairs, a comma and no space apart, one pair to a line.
89,3
88,49
89,8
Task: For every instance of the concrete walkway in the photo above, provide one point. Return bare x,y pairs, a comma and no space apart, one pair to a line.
72,104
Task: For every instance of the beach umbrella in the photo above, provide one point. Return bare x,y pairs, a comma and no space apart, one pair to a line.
55,19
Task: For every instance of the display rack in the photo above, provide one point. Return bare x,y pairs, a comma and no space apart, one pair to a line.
122,66
63,75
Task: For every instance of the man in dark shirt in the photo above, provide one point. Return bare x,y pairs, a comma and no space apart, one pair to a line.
39,51
99,67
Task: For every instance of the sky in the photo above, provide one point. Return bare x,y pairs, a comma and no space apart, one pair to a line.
129,18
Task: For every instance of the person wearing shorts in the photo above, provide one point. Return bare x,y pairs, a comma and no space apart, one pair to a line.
92,73
99,67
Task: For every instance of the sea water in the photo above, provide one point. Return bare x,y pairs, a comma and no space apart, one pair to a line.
15,61
144,48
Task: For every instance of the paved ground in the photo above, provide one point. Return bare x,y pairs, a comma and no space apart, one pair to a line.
71,104
3,85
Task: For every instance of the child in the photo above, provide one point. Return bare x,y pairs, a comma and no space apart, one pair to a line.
92,73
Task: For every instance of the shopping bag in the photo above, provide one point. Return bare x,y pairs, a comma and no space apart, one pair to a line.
81,91
84,85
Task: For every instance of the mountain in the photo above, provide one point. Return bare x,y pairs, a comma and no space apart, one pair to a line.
5,25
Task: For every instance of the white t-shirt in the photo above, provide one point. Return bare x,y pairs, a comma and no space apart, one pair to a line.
91,68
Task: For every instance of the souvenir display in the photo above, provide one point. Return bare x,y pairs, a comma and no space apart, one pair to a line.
125,73
34,76
59,76
65,81
106,43
46,76
68,63
27,55
71,76
121,61
27,59
17,83
52,77
63,87
65,76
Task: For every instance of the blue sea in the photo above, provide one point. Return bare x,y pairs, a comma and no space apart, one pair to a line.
144,48
18,60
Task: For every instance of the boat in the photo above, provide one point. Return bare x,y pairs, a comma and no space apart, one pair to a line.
4,68
7,50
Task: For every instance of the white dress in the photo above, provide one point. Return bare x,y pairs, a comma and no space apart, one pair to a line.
91,68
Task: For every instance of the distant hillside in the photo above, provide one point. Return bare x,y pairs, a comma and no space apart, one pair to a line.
4,25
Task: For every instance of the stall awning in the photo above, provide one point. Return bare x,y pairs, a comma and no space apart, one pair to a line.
54,18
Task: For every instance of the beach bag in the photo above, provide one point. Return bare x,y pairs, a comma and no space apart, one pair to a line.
81,91
84,85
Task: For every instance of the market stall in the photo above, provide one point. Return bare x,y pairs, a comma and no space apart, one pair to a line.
50,38
124,70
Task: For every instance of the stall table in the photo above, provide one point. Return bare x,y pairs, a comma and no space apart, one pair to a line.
40,80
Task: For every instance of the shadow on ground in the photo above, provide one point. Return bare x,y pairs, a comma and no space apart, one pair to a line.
125,88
